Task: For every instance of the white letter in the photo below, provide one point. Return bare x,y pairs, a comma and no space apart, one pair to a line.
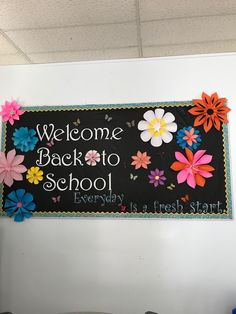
45,131
39,162
51,185
95,184
114,134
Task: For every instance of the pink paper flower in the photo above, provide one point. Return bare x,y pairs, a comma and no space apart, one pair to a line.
92,157
193,168
11,111
11,168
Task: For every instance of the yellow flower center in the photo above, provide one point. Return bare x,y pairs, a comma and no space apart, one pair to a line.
157,127
157,177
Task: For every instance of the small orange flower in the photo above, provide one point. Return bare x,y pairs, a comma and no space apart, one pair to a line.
141,160
210,111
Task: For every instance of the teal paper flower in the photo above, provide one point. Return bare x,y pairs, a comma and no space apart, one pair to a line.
25,139
19,204
188,137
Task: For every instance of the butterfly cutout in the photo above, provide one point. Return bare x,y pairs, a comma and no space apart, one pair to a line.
56,199
161,154
132,177
50,143
185,198
77,122
131,124
107,118
171,186
123,208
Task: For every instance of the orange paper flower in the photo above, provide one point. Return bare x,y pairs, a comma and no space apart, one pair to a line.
141,160
210,111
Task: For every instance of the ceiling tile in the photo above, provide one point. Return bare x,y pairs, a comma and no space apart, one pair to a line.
159,9
188,30
12,59
84,55
18,14
75,38
5,46
189,49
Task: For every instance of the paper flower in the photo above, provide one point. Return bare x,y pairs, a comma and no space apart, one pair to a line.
11,111
188,137
141,160
157,177
19,203
34,175
25,139
92,157
210,111
193,168
157,127
11,168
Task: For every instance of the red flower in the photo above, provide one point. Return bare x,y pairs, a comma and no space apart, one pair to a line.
210,111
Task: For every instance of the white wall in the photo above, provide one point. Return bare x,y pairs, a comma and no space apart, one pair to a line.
49,266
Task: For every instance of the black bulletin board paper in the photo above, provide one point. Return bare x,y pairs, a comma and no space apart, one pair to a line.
72,186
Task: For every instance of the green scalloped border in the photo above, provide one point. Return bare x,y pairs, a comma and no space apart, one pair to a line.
133,215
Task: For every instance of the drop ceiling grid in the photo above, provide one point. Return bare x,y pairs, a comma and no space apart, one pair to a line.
39,31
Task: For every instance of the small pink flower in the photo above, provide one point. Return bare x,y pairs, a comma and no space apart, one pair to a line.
11,168
11,111
92,157
190,137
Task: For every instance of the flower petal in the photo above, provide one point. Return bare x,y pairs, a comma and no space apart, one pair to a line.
205,168
180,157
17,160
182,176
143,125
19,217
217,123
205,174
207,125
176,166
198,155
20,193
8,180
3,161
200,120
16,176
171,127
19,169
167,137
27,198
10,156
196,111
156,141
189,154
2,176
149,115
206,159
145,136
159,113
13,197
191,180
200,180
168,117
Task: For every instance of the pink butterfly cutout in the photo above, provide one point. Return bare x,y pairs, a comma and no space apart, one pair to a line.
56,199
51,143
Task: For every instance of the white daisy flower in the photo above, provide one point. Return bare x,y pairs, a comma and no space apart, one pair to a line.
157,127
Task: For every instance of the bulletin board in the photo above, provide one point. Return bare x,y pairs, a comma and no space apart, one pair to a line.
145,160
